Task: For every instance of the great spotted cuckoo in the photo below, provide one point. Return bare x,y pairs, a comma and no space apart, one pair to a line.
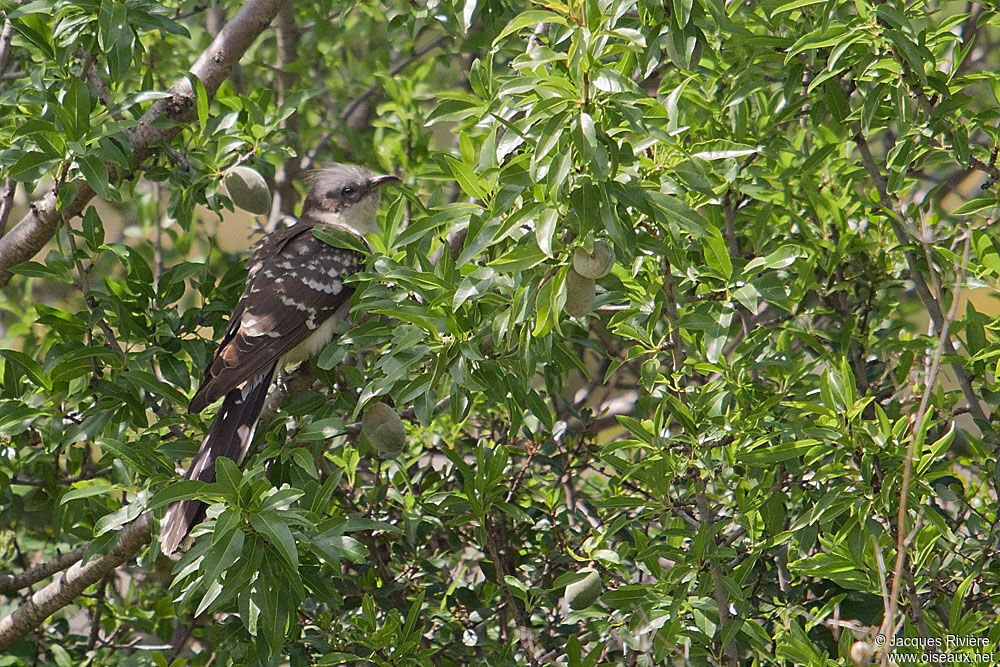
294,297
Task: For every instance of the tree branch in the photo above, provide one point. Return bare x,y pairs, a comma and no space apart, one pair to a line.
11,583
930,303
287,36
718,586
5,36
35,229
6,203
66,588
902,541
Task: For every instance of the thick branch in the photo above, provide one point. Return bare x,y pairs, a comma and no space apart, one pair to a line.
67,587
35,229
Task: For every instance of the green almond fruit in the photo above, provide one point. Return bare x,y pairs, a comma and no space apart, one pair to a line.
580,293
595,264
248,189
585,592
383,427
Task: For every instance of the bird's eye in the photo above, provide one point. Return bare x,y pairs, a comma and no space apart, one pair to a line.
347,191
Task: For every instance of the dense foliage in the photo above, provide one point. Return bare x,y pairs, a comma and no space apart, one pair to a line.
772,436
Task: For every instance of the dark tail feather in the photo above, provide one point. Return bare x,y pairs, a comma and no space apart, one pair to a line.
229,435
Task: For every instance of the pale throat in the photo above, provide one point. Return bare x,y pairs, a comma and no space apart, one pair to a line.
361,218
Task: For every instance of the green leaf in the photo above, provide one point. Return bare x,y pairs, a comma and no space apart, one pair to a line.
520,258
150,383
181,490
214,589
275,530
222,556
676,211
680,412
589,134
682,12
817,39
545,227
138,455
228,478
27,366
95,172
36,30
36,270
717,254
31,165
626,597
975,329
201,100
976,205
531,18
779,259
93,228
717,335
339,238
470,182
914,54
794,4
79,105
725,154
86,491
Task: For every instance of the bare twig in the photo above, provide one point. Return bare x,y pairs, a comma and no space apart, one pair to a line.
95,615
65,481
197,9
670,301
989,168
215,19
492,527
718,587
902,539
310,157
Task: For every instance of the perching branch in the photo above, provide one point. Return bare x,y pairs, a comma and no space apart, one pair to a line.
213,66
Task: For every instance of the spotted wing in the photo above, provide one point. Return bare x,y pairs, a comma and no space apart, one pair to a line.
294,285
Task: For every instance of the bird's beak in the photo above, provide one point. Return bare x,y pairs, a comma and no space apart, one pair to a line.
379,181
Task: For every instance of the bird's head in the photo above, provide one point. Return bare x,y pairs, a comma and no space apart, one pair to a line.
345,196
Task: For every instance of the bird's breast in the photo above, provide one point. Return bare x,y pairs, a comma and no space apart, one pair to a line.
318,339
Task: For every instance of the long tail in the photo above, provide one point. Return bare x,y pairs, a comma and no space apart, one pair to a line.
229,435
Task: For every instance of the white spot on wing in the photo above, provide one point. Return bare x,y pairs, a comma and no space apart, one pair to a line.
332,287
